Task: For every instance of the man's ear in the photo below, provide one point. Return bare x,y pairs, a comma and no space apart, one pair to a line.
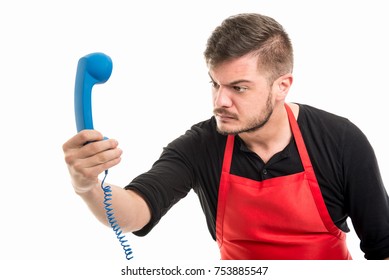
282,86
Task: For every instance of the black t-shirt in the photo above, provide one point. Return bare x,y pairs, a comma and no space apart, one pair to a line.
343,160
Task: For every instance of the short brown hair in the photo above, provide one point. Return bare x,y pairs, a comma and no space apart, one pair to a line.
246,33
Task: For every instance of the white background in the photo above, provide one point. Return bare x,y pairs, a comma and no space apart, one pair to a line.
158,89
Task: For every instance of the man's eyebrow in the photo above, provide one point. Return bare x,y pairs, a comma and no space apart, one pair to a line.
234,82
239,82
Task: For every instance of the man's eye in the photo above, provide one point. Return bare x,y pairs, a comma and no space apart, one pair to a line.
214,84
239,89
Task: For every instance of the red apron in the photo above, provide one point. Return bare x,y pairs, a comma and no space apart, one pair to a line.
283,218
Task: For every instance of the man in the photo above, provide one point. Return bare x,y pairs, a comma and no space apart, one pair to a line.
275,180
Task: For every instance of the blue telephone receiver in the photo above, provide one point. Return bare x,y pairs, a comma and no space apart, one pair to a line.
95,68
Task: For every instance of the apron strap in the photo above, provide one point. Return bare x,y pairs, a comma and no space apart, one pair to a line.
228,153
310,175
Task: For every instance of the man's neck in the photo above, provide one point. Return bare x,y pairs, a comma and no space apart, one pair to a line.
273,137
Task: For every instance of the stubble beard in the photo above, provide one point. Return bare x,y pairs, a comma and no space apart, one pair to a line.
252,125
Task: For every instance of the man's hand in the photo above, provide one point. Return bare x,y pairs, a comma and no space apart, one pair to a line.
87,155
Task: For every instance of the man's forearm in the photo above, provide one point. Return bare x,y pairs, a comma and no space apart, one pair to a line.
130,210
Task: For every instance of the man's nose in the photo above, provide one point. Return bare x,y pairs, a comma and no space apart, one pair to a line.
222,98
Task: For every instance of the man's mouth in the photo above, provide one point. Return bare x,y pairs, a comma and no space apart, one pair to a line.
223,114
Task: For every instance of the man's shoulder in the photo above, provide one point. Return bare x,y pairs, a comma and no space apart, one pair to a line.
318,113
316,118
322,125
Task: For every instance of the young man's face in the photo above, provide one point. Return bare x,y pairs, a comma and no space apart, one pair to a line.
242,97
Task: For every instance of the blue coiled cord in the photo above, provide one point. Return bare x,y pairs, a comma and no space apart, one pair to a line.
111,218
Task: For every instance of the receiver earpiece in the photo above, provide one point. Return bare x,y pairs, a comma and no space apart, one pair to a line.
94,68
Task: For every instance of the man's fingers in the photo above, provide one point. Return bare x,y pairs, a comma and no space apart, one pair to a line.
82,138
96,148
96,152
98,169
103,157
90,168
